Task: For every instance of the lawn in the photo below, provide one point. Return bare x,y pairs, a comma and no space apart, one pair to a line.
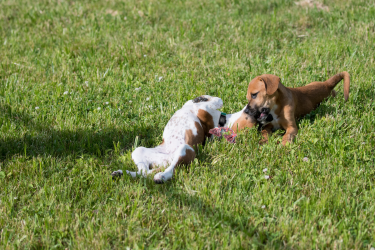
82,83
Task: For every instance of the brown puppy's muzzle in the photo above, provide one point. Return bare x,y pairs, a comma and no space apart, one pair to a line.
262,115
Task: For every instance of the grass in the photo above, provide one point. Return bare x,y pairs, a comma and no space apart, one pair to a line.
61,62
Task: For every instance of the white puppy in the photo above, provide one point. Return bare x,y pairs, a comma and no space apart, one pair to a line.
188,127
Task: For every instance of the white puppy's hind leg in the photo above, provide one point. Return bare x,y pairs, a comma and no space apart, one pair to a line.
183,155
117,173
139,157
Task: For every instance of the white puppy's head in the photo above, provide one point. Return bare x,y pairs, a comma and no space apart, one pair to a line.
206,101
206,108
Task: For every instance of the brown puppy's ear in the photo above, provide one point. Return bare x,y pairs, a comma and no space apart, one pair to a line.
271,82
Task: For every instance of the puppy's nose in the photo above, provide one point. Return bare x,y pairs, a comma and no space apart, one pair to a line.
247,110
265,110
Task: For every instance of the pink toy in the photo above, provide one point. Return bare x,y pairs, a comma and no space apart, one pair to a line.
228,133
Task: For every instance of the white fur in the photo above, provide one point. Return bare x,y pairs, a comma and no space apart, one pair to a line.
231,118
174,146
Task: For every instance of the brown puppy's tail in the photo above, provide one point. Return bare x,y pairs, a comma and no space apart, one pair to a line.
334,80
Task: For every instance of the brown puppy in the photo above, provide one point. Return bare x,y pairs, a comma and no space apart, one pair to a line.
266,95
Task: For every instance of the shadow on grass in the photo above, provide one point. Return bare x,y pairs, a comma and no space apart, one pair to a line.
221,219
321,111
42,139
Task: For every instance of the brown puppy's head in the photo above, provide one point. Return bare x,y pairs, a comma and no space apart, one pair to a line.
261,94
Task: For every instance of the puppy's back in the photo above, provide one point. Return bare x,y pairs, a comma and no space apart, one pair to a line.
309,97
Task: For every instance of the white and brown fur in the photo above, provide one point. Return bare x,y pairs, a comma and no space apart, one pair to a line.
187,128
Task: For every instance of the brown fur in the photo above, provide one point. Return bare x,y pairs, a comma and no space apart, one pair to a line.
186,159
193,140
206,121
290,103
244,121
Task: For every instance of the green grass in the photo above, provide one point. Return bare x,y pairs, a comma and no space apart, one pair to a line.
55,161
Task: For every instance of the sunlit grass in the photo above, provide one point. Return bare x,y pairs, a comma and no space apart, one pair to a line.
83,83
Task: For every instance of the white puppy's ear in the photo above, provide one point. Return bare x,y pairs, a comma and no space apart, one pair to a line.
272,83
215,103
208,101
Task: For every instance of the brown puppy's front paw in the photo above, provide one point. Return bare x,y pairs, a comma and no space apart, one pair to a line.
284,143
263,141
288,138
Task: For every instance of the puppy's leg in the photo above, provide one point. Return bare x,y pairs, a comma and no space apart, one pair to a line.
116,174
289,136
139,157
266,132
291,132
183,155
290,126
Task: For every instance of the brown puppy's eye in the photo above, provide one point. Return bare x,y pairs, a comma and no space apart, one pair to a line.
254,95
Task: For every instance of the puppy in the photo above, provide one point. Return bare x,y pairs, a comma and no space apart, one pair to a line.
187,128
267,96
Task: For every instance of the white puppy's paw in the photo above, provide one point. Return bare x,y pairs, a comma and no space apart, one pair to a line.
159,178
162,177
116,174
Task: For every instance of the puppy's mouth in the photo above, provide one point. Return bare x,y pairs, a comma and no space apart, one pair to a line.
262,115
265,118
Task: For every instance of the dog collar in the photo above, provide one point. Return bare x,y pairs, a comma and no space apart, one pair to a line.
222,119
